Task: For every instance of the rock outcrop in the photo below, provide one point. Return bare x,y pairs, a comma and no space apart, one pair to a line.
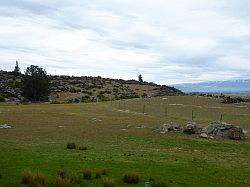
224,130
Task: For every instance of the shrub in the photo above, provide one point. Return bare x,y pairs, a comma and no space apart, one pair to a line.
55,102
108,182
160,184
71,146
98,174
27,177
87,173
131,178
2,99
83,148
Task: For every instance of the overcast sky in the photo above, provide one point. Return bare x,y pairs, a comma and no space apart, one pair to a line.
167,41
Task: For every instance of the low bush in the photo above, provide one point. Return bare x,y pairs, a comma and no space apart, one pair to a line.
71,146
108,182
55,102
87,173
131,178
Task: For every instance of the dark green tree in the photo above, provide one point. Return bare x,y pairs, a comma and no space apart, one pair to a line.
17,69
36,84
140,78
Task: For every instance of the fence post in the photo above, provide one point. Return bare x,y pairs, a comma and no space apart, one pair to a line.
192,115
221,117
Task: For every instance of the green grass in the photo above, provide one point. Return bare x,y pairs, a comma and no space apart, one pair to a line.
41,132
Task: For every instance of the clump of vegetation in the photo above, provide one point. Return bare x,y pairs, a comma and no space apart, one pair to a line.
87,173
62,182
98,174
131,178
71,146
36,84
39,178
160,184
55,102
26,177
24,101
62,173
83,148
2,98
104,171
108,182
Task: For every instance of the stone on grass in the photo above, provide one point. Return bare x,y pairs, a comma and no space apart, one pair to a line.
5,126
170,127
191,128
203,135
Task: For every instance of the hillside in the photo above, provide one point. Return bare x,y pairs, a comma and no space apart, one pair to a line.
67,89
233,86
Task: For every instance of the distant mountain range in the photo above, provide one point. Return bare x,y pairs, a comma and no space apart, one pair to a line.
232,86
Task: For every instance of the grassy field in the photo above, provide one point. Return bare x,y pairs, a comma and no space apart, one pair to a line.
115,141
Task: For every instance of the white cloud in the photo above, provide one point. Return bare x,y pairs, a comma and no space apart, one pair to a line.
166,41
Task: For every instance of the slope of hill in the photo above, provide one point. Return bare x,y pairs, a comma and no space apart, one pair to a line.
235,86
86,89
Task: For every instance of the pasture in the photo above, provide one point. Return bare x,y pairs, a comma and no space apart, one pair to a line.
122,136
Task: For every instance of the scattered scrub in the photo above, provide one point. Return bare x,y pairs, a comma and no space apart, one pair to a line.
108,182
71,146
131,178
87,173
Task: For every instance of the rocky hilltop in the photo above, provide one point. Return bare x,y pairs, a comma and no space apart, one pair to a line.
67,89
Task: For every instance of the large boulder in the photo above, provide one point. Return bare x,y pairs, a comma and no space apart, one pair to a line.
224,130
191,128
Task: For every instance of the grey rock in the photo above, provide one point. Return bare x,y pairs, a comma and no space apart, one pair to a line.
170,127
191,128
5,126
224,130
203,135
